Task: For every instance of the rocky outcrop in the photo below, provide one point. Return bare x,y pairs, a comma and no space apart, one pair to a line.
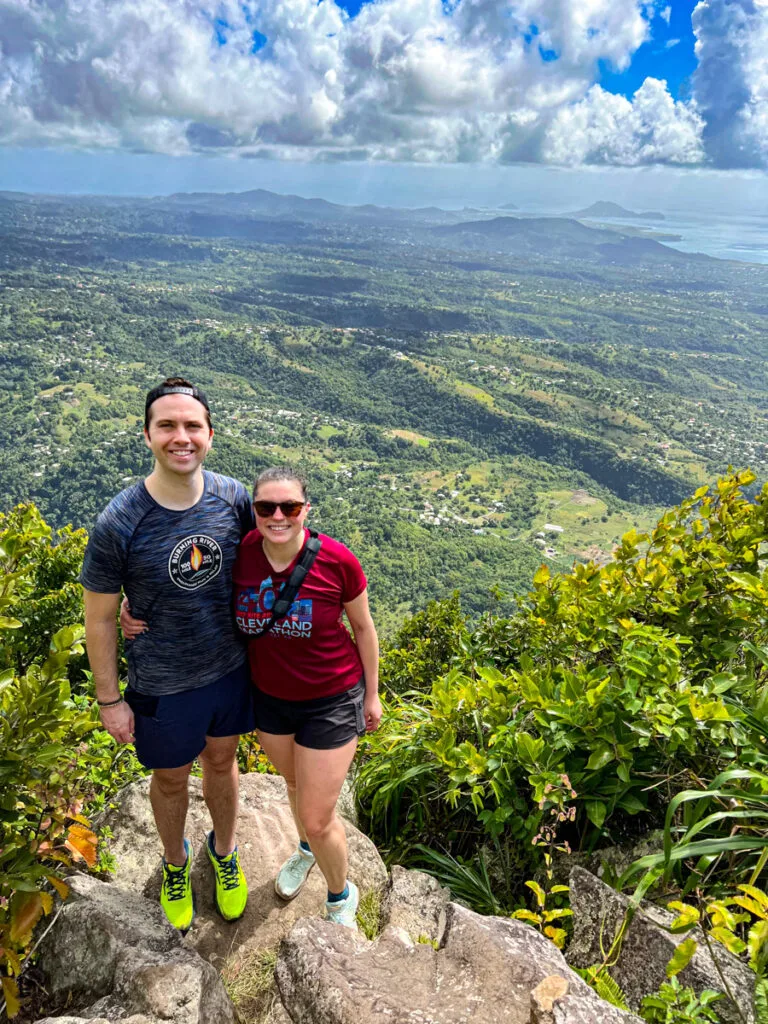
112,958
647,948
415,902
266,836
487,969
114,953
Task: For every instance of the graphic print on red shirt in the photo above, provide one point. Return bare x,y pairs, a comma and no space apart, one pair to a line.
309,653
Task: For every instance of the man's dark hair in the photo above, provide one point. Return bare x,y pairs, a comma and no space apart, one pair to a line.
277,474
175,386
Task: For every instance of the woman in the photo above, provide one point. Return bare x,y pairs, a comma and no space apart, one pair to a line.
316,689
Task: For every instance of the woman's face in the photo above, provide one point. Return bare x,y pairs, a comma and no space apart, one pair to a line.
277,527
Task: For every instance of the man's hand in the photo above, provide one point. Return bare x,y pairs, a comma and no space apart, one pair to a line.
131,627
118,721
372,712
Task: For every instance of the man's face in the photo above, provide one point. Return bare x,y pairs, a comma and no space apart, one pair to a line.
178,436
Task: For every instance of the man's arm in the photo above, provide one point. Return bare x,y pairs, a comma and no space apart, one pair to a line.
101,643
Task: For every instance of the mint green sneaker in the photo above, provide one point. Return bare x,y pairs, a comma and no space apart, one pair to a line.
293,874
344,911
176,892
231,886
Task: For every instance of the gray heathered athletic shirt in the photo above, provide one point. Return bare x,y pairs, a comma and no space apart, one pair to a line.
176,570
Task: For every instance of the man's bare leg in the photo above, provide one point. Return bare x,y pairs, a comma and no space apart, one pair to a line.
169,796
221,788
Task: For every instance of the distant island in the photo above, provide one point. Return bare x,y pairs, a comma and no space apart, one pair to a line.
507,206
606,209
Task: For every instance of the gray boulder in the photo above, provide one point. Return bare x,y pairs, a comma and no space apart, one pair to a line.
137,1018
266,836
113,953
647,948
487,969
415,902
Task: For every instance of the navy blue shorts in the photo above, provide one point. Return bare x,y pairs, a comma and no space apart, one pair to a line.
322,723
171,730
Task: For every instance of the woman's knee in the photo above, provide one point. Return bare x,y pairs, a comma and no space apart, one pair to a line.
318,825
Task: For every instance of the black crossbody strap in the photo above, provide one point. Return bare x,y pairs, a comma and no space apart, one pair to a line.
290,588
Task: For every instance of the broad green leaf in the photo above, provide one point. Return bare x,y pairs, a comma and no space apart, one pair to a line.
596,812
599,759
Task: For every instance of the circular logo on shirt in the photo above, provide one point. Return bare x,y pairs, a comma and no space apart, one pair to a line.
194,562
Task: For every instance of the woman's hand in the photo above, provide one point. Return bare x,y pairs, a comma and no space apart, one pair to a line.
131,627
372,711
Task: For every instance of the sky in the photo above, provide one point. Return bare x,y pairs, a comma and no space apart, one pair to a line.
150,96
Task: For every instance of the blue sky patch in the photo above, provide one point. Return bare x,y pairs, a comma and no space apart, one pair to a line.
667,55
220,28
258,41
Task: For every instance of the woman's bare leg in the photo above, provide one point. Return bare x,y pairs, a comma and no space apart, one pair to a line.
280,751
319,775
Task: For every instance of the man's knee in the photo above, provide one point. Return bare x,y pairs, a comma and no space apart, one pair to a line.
219,758
171,781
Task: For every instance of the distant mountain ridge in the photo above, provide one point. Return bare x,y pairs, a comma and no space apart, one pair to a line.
604,208
559,236
274,204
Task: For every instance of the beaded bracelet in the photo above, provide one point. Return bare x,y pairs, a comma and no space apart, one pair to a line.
109,703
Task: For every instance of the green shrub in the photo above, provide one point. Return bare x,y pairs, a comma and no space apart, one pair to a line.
629,679
51,769
424,647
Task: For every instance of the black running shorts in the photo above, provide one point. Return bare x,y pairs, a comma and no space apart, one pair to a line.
321,723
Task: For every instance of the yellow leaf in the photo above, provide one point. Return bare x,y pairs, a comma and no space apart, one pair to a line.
26,911
13,961
82,842
526,915
47,901
752,906
556,935
11,994
61,887
538,892
681,957
757,894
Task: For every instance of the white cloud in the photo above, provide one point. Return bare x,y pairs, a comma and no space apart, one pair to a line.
605,128
420,80
731,81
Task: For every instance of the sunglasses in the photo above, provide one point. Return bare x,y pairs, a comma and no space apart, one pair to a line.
290,509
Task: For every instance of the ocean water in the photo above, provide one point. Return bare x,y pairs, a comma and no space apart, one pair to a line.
732,238
743,238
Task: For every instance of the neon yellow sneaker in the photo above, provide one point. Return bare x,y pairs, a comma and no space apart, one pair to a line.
176,892
231,886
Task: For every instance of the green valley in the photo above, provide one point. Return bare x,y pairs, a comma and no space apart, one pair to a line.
469,398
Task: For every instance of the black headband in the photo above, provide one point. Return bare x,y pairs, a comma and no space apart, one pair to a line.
175,389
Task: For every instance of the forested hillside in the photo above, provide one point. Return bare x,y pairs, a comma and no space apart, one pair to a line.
469,398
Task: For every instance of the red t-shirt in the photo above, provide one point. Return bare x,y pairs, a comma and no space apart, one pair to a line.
309,653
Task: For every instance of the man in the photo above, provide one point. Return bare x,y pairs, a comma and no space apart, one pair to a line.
169,543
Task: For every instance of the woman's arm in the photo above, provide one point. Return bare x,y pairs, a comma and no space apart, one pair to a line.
367,641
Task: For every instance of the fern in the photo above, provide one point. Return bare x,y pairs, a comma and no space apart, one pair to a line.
606,987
